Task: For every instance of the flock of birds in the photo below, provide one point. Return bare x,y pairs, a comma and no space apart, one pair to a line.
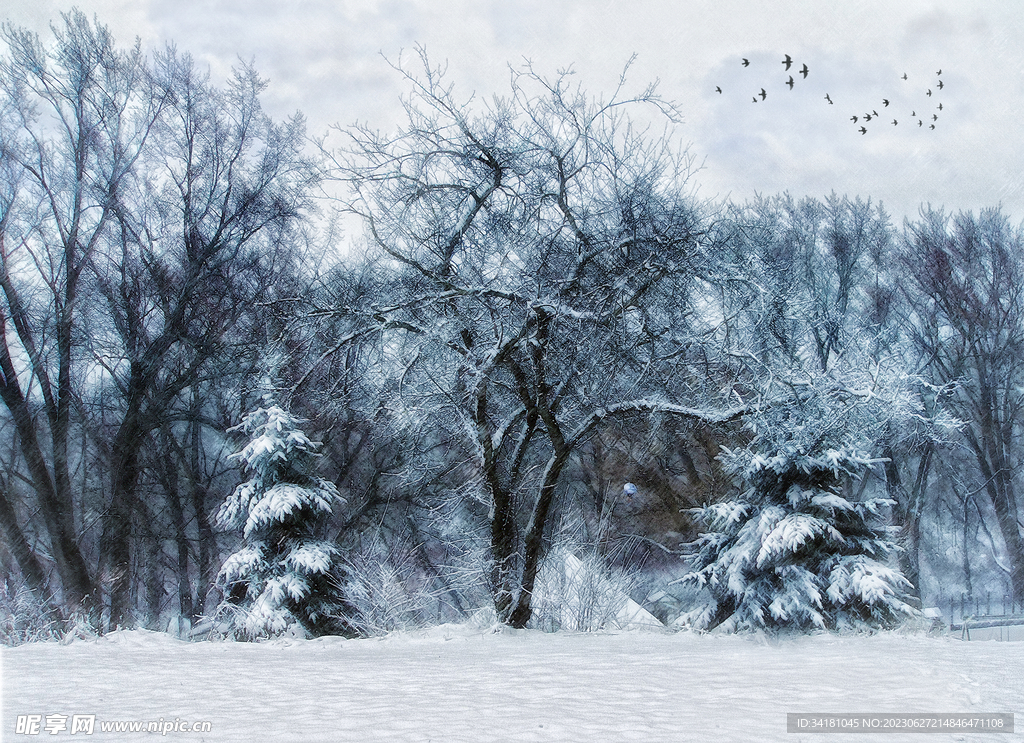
928,117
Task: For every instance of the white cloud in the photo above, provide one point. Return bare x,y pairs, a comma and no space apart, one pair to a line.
324,57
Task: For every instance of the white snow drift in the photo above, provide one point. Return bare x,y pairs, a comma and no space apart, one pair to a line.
468,684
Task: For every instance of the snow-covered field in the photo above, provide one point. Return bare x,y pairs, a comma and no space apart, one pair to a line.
469,684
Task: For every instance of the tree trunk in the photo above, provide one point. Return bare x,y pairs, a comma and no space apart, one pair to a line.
117,531
909,507
29,565
989,452
968,577
207,538
71,566
503,577
154,581
169,476
523,609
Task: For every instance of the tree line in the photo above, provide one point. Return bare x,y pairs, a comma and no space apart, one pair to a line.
539,309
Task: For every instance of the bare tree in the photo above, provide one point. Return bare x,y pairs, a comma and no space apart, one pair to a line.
964,282
77,116
144,214
200,241
544,247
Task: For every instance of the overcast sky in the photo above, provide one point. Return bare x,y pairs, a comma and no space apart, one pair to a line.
324,57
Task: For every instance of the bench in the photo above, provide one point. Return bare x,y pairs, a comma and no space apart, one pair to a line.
986,620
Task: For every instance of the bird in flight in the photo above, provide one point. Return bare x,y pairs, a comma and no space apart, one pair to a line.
885,101
718,89
939,72
894,122
746,62
854,119
804,71
931,126
829,100
755,99
863,130
904,76
920,123
913,113
940,106
763,94
940,85
929,92
790,82
867,117
788,61
935,117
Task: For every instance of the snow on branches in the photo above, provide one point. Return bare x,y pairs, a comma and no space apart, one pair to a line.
798,547
283,573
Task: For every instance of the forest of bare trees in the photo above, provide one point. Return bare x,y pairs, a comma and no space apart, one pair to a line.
538,341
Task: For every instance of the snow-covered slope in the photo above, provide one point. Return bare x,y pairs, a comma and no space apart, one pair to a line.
464,684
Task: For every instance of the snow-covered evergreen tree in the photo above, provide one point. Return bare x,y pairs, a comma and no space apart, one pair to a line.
796,549
285,572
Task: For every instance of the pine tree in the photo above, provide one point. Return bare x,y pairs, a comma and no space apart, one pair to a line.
796,549
285,572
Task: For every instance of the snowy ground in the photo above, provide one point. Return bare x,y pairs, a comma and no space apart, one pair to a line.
465,684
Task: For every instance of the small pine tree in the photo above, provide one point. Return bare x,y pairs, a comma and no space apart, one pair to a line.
792,551
285,572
